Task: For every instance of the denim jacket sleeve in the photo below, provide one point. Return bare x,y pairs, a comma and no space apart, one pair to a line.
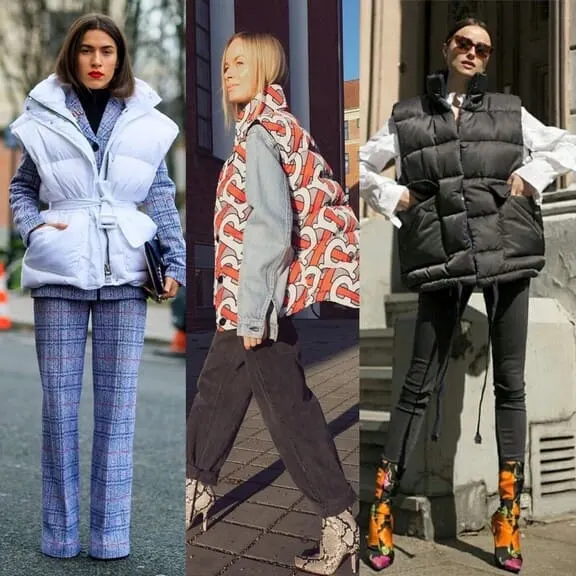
161,208
267,238
25,198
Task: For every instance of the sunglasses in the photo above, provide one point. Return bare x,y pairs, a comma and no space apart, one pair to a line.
464,45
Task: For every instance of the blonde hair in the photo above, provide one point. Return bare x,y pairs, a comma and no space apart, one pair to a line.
266,59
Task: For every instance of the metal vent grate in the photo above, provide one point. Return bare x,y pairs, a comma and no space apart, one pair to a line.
553,468
557,464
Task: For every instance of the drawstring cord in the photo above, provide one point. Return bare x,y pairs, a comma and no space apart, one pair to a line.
491,317
442,376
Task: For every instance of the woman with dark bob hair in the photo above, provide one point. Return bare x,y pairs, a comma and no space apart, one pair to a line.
471,167
94,150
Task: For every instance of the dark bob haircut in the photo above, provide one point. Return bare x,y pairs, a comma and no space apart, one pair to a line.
462,24
123,82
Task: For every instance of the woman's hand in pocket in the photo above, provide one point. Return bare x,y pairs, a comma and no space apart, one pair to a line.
57,225
519,186
407,200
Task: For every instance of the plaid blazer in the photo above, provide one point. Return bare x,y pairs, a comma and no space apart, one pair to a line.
159,205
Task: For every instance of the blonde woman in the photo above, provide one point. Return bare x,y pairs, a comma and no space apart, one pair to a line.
286,238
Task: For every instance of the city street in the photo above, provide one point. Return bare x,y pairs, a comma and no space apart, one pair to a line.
261,519
158,491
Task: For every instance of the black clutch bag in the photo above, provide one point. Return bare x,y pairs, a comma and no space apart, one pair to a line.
156,270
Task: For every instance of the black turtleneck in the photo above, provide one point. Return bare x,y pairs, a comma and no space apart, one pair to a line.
94,103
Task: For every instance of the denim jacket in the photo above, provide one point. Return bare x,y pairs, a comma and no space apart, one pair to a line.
267,238
285,234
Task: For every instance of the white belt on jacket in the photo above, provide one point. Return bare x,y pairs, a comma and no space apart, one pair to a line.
107,218
136,226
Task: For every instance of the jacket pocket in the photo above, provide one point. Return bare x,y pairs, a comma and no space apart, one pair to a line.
136,228
522,227
423,188
420,236
57,251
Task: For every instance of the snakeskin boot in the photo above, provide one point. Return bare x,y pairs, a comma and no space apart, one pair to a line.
340,538
505,520
380,549
199,500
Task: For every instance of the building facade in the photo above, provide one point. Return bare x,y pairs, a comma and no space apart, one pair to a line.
312,37
351,137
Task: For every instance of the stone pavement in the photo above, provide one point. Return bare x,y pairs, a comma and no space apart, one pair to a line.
159,327
548,549
261,519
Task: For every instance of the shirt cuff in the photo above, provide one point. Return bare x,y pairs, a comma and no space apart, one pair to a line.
251,328
256,327
383,197
27,225
539,175
178,273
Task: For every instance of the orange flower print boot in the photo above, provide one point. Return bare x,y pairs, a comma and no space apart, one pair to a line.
505,520
381,524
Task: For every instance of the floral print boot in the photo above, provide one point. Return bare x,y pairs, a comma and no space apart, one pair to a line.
381,524
505,520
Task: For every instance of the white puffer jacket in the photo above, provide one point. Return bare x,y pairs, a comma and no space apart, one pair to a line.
104,241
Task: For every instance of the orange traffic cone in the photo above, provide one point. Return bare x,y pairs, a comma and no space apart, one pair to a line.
5,320
178,345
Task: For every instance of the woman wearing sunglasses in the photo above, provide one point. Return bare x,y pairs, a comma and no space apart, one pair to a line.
471,167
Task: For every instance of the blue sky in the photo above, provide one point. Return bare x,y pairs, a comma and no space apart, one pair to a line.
351,44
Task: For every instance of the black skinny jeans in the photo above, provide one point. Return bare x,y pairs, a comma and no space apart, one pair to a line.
436,320
272,373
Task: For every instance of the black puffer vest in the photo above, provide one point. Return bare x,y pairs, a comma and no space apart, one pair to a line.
467,229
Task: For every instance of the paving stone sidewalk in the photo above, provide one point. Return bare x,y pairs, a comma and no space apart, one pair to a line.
261,520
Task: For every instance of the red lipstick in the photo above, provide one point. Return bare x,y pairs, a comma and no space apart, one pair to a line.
96,75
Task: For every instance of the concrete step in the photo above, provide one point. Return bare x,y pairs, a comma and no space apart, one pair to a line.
398,304
375,373
377,347
563,207
375,387
374,420
372,437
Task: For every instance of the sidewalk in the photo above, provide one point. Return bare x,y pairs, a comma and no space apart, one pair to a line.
261,520
159,327
548,549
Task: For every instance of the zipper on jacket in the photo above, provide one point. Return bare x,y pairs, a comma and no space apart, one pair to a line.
107,269
463,197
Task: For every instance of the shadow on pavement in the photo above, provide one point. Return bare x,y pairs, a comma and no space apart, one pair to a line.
226,505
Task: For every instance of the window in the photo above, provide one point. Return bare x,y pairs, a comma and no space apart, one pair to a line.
347,163
358,123
346,133
203,81
460,9
204,283
540,12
